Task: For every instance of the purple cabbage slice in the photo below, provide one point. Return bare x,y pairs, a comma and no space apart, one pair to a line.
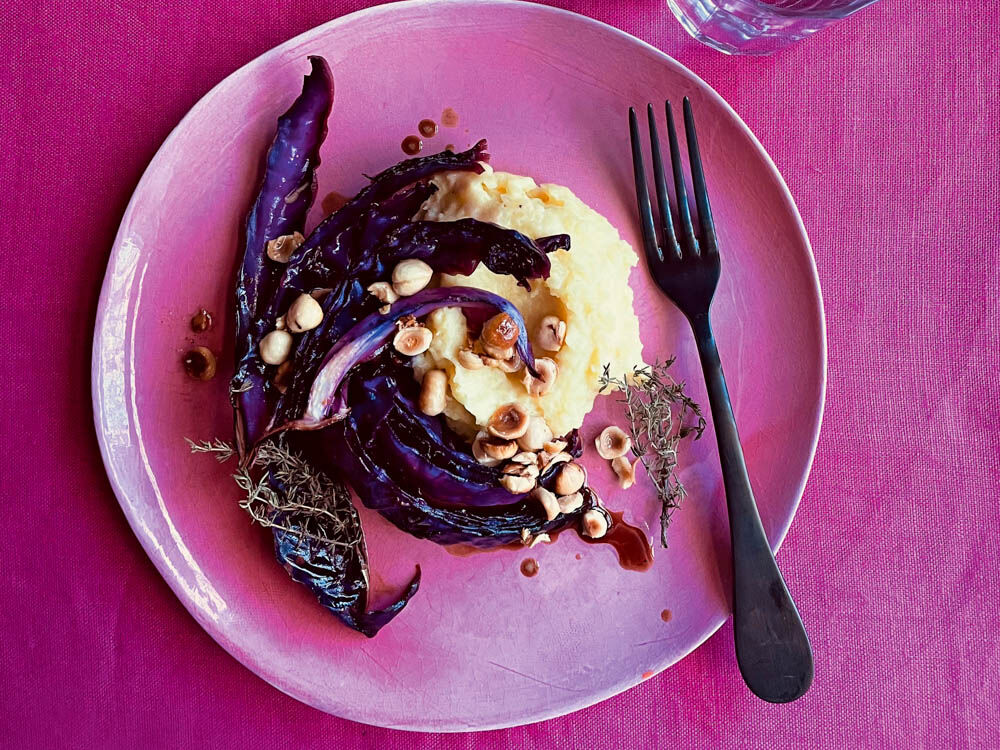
367,337
286,193
448,247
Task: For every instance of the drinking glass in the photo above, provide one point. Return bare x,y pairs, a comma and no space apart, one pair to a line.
758,27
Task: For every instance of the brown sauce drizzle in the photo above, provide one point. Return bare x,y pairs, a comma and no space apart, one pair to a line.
199,363
529,567
428,128
449,118
412,145
201,321
332,201
630,542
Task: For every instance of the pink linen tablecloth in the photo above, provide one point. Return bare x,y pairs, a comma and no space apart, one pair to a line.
886,129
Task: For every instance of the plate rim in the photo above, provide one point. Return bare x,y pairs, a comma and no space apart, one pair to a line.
247,658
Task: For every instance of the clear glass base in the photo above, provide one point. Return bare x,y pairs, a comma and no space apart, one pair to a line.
751,27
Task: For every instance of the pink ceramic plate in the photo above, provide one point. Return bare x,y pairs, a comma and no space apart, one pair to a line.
481,645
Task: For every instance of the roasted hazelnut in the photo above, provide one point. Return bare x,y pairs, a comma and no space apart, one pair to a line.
280,249
283,376
275,347
551,333
509,422
594,523
535,437
548,370
570,503
469,360
383,292
539,539
304,314
548,502
433,392
412,340
499,335
613,442
625,471
501,450
479,450
570,479
410,276
517,485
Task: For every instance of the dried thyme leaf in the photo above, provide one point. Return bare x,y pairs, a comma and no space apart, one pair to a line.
285,492
660,415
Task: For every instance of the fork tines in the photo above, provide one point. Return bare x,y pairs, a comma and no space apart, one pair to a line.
685,241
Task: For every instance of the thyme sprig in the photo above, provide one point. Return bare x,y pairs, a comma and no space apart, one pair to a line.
283,491
660,414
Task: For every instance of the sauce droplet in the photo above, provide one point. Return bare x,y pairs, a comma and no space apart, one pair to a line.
450,147
332,201
666,615
412,145
428,128
529,567
579,556
647,674
200,363
201,321
630,542
449,118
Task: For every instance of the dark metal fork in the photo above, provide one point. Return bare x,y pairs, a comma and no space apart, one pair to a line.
772,648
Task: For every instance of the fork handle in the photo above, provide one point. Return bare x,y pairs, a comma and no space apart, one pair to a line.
772,648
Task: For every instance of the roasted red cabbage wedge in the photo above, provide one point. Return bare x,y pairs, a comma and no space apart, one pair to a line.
350,407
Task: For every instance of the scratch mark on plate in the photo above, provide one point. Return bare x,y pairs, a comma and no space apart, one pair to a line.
656,640
381,666
535,679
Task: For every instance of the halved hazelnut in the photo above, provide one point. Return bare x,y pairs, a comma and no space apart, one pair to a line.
570,503
525,457
595,523
517,485
499,335
548,370
554,446
511,364
539,539
501,450
570,479
433,392
613,442
384,292
548,502
625,471
546,460
509,422
469,360
551,333
479,450
521,470
280,249
535,437
412,340
410,276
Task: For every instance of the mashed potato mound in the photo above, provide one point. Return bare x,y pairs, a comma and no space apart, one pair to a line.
588,288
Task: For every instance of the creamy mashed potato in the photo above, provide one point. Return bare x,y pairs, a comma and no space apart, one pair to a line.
588,288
